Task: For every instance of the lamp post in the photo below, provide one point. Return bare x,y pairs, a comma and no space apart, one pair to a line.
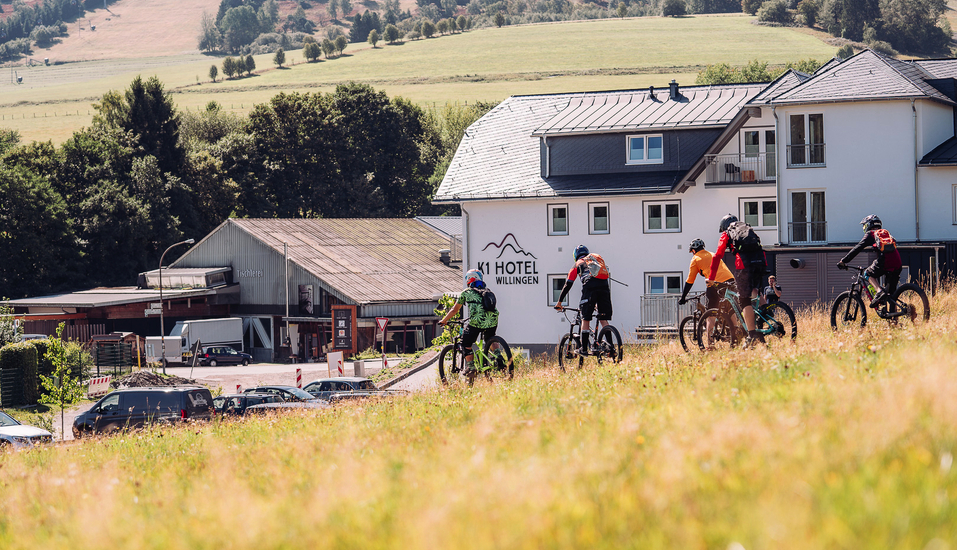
162,327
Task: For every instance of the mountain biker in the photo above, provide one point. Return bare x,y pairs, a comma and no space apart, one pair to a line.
596,293
701,264
888,262
481,319
749,260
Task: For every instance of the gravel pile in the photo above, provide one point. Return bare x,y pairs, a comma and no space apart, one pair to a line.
145,378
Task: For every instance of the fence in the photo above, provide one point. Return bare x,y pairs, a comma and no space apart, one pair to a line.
663,311
114,359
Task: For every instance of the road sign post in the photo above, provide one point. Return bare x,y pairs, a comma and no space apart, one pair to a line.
383,324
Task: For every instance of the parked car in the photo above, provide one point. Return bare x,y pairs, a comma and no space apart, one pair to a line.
344,387
137,407
224,355
237,404
15,435
289,393
288,406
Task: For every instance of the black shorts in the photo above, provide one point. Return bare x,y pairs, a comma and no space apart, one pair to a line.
746,280
595,298
891,277
471,334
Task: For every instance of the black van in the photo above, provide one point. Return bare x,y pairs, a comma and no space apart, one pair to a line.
137,407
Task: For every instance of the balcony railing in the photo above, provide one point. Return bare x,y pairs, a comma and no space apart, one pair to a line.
663,311
740,167
807,232
800,156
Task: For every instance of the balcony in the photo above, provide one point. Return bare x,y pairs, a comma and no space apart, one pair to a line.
807,232
806,156
662,311
740,167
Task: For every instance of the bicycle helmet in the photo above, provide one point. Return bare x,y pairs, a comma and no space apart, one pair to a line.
726,222
871,222
474,276
580,250
696,245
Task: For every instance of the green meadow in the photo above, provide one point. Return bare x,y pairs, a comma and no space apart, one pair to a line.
839,440
481,65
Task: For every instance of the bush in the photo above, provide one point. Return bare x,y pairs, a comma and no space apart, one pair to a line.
845,52
751,7
880,46
673,8
775,11
808,9
19,382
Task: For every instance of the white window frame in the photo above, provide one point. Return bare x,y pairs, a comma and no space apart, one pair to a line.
556,277
645,160
790,212
664,274
591,218
953,202
551,219
646,218
808,152
760,201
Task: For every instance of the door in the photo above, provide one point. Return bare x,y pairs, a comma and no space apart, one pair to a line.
107,413
808,222
759,155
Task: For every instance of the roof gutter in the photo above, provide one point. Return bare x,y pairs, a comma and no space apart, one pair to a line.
571,193
625,129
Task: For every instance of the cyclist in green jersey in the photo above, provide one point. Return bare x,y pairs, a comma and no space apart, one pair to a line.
483,319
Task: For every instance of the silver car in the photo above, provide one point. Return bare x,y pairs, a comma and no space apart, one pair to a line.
16,435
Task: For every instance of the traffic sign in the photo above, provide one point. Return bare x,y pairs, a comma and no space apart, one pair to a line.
382,322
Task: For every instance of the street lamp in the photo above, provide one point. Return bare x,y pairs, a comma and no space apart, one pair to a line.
162,327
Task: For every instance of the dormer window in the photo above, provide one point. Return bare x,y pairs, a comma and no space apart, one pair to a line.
646,149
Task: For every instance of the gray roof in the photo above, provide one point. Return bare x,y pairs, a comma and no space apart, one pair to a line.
939,68
602,112
368,260
500,157
833,62
781,84
866,76
103,297
449,225
944,154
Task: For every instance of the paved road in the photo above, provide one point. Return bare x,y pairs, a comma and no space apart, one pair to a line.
424,379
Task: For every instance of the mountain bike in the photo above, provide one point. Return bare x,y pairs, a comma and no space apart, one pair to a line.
728,328
492,358
688,327
606,346
908,302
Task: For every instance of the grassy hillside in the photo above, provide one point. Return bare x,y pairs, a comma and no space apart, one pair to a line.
838,441
486,64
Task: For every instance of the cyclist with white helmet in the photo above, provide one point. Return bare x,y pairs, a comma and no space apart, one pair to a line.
481,319
596,292
888,262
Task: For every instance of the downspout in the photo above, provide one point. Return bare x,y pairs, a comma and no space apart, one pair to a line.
466,255
777,164
548,156
913,108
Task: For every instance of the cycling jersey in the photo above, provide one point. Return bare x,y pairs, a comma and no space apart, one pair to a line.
478,317
724,243
588,280
887,259
701,263
596,292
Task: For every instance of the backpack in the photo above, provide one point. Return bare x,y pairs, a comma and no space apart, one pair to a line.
884,241
745,240
488,299
596,266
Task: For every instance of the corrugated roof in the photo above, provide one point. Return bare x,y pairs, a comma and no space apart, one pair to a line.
602,112
866,76
103,297
367,260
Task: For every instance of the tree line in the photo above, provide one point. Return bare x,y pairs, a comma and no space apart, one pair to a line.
39,23
102,206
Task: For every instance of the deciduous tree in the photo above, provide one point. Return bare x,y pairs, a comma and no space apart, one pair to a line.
279,58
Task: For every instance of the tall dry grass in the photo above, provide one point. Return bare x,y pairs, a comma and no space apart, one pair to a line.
840,440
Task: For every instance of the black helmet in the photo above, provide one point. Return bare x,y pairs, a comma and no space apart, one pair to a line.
695,245
871,222
580,250
726,222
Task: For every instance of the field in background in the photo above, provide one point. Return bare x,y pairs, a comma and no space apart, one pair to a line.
486,64
840,440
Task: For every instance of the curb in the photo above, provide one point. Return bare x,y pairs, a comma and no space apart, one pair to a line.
410,372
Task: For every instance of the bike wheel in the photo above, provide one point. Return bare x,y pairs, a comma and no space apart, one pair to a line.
785,326
687,334
609,344
500,357
915,300
568,350
848,310
723,333
448,367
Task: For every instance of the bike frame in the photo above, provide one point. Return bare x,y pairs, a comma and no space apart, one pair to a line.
859,288
729,295
481,362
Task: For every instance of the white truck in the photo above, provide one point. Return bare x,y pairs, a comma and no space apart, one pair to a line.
209,332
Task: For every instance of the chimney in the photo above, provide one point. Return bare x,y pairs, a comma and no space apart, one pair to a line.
651,92
445,256
674,95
